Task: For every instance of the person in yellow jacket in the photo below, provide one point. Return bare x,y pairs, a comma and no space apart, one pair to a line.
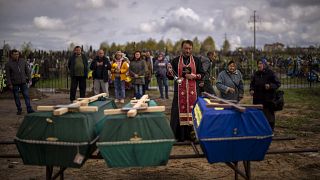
119,69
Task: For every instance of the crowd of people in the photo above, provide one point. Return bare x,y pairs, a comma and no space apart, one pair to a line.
191,74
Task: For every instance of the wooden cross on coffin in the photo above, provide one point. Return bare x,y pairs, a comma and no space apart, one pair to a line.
217,102
80,105
140,105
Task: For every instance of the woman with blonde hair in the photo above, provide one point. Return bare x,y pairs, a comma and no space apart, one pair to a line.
119,69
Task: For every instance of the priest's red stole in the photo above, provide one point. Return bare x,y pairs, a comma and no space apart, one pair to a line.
187,93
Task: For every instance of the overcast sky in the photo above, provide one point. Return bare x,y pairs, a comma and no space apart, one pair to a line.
54,24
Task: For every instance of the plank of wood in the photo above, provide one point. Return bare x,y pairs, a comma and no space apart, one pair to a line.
257,106
51,108
73,106
93,98
113,111
133,112
134,101
81,104
237,107
84,102
131,108
88,109
60,111
219,101
45,108
147,110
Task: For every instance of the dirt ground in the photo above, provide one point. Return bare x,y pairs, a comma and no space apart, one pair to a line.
279,166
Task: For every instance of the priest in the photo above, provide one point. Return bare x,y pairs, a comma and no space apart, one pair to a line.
187,72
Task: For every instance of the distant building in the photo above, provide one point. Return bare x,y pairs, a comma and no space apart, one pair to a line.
273,47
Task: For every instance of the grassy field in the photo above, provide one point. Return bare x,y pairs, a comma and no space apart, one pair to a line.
301,112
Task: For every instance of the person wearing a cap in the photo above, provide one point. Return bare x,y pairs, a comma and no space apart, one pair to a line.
230,83
263,86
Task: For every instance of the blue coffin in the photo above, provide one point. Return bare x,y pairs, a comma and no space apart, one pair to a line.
226,135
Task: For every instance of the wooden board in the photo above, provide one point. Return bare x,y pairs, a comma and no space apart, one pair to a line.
222,101
149,109
93,98
80,105
257,106
133,112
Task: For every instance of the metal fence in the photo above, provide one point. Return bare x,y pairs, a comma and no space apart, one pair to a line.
54,76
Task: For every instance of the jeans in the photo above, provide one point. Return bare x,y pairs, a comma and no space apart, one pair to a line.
75,80
163,81
25,92
138,89
119,88
146,85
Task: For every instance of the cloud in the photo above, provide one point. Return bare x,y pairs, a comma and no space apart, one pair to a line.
235,42
279,26
148,27
95,4
240,12
183,19
304,14
287,3
46,23
185,14
52,24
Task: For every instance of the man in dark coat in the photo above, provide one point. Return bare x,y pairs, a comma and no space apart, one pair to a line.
100,67
78,68
188,73
263,86
18,76
206,85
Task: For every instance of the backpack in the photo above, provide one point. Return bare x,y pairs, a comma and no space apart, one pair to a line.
278,101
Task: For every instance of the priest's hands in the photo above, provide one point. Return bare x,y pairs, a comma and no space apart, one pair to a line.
191,76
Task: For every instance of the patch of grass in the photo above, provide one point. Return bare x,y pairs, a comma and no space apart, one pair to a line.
291,122
301,111
308,96
313,115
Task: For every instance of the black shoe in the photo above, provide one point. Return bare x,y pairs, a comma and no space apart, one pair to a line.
19,112
30,111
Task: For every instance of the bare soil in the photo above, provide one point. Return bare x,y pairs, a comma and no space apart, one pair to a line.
279,166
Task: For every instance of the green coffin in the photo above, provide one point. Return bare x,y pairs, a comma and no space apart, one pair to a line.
44,139
145,140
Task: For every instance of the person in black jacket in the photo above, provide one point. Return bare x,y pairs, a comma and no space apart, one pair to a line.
78,68
263,86
18,76
100,67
